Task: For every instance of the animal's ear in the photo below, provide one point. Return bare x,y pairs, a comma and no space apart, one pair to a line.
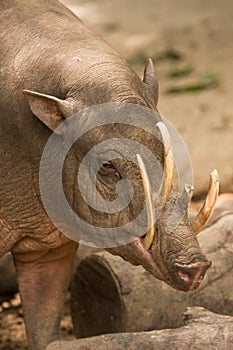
49,109
150,79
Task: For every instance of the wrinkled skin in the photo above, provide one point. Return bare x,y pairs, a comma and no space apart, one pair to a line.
45,48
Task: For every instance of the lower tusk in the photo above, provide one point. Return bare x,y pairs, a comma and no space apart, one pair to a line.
208,207
149,238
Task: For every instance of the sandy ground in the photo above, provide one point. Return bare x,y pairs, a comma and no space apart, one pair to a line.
191,44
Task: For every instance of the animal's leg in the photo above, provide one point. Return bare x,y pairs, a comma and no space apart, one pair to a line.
43,279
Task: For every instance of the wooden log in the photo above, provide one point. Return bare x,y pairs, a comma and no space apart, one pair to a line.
203,330
109,295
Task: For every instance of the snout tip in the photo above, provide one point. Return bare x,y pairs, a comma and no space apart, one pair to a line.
188,277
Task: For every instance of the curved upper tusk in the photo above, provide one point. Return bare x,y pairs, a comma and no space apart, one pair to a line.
149,238
207,208
168,159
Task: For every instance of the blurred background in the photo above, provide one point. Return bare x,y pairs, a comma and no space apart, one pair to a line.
191,43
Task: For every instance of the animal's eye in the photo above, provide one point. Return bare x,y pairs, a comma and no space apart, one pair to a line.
107,168
107,165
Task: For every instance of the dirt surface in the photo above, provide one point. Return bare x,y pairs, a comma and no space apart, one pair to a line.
12,332
191,44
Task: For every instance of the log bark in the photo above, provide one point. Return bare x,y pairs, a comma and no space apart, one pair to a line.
202,330
109,295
